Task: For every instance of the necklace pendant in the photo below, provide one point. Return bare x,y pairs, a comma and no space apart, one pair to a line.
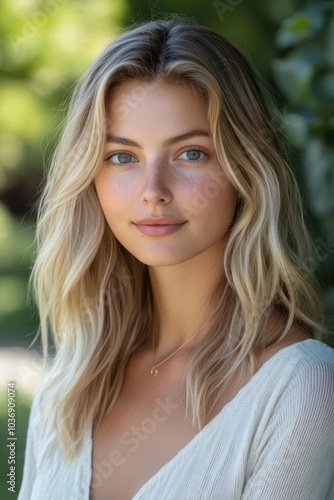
154,371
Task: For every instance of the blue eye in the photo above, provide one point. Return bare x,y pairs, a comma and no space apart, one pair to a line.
121,154
194,154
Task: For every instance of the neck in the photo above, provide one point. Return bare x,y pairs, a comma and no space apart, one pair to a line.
182,299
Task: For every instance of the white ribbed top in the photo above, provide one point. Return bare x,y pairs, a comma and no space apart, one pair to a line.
273,441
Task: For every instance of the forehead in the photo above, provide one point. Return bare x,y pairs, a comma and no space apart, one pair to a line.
136,102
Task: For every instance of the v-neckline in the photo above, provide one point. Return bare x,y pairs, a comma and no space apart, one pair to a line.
213,422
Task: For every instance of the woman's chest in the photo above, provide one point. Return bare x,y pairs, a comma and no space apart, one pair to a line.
145,430
134,441
132,452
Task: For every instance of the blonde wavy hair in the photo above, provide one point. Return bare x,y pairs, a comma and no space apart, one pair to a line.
95,298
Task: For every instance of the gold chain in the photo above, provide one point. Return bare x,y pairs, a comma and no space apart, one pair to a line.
154,370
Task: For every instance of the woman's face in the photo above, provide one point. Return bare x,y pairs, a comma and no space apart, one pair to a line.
161,175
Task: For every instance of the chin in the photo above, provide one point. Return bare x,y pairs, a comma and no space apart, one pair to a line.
157,260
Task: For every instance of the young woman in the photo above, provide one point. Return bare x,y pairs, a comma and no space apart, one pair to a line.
173,272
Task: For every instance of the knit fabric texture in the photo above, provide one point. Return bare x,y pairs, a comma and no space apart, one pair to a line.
273,441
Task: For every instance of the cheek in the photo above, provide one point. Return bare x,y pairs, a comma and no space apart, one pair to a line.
108,193
108,199
215,195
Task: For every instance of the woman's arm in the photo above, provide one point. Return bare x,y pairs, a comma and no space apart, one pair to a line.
295,458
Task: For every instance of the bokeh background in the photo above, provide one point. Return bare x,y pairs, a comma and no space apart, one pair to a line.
45,48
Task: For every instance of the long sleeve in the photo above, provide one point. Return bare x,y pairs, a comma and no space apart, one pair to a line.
295,457
29,468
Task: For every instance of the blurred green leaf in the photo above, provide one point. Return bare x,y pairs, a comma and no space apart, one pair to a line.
12,294
16,239
296,129
21,112
323,88
300,26
319,161
330,42
281,10
293,30
294,75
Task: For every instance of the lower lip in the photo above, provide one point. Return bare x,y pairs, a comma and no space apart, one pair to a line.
159,230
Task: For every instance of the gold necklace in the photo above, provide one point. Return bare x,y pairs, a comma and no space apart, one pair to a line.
154,370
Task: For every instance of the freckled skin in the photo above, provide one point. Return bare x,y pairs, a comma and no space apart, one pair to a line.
159,180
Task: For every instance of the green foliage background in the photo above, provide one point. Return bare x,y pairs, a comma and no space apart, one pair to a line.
46,46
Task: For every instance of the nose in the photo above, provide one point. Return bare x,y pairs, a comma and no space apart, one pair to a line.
156,184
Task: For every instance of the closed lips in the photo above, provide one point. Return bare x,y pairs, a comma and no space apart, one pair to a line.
158,221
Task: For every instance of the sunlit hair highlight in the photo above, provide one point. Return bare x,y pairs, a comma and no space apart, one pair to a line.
95,298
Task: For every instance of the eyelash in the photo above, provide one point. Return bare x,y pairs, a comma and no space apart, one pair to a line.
189,148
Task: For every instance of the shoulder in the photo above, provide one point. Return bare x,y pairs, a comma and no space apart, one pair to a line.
296,336
297,397
315,370
306,362
293,440
304,388
299,368
314,367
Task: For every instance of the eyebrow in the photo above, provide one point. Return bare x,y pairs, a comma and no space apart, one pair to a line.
168,142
